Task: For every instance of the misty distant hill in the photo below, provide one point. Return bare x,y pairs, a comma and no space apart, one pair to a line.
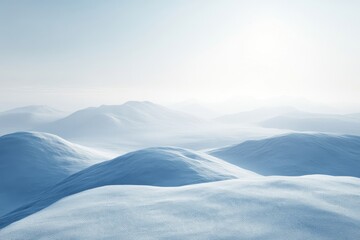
27,118
115,120
292,119
331,123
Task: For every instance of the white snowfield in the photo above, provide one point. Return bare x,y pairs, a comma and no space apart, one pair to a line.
310,207
297,154
31,162
164,166
53,189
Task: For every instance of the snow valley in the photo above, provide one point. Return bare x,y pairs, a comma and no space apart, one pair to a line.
144,171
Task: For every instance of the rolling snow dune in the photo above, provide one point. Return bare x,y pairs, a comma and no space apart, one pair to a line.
297,154
164,166
27,118
30,162
115,120
312,207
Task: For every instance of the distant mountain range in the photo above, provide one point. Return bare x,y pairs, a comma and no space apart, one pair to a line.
293,119
114,120
137,119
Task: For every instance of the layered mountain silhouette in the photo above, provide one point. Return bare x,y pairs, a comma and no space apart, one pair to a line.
116,120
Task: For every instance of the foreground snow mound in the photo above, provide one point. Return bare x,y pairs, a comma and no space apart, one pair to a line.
30,162
311,207
164,166
297,154
27,118
111,120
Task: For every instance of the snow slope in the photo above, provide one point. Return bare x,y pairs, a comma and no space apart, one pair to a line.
164,166
30,162
297,154
116,120
311,207
27,118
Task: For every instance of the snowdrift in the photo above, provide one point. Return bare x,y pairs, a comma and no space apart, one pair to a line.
165,166
30,162
311,207
297,154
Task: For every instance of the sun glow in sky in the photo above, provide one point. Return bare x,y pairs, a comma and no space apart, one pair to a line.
85,53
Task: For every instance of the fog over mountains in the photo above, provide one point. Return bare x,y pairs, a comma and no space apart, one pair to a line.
130,117
146,122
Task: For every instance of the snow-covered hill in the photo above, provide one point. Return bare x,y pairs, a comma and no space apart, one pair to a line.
116,120
164,166
30,162
27,118
311,207
297,154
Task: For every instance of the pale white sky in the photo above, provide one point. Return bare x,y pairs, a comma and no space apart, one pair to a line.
83,53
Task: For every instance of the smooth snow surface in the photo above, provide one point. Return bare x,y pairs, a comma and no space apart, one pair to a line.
311,207
165,166
30,162
297,154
